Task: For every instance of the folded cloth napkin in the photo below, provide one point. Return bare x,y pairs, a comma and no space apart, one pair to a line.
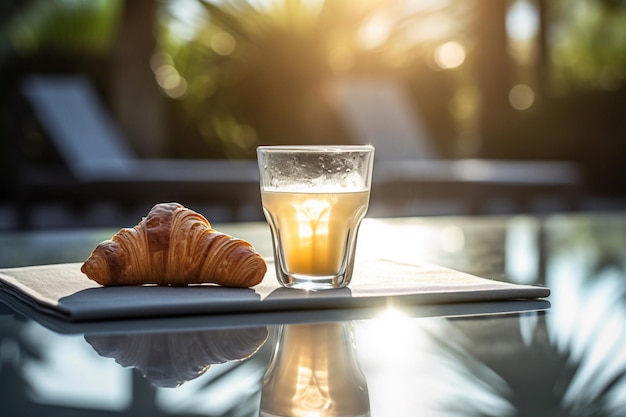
62,290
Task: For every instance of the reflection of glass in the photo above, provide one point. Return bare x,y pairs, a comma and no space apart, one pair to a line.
171,359
314,372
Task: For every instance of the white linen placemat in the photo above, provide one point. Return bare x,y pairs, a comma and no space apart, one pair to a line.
62,290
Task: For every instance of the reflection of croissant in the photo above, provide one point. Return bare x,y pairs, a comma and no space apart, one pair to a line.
171,359
176,246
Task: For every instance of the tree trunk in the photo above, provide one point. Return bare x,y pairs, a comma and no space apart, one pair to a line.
137,104
494,75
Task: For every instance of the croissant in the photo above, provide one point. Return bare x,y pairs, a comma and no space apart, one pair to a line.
174,245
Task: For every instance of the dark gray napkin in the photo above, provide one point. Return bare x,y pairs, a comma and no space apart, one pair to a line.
64,291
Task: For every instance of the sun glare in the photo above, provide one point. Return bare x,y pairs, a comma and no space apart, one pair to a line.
375,31
223,43
450,55
391,332
522,22
521,97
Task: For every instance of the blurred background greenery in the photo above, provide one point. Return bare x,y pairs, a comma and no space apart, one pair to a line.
513,79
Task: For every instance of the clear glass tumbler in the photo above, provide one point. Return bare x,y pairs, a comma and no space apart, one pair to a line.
314,198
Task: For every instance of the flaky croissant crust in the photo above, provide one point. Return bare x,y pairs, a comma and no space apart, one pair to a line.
174,245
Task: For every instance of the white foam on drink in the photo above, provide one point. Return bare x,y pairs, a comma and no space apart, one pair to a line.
345,183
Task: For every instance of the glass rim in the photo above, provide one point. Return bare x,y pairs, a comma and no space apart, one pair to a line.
315,148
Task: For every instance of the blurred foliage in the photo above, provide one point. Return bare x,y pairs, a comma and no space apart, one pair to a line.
578,114
239,73
52,36
260,72
85,27
588,44
255,74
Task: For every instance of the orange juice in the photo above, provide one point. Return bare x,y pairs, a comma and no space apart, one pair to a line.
316,231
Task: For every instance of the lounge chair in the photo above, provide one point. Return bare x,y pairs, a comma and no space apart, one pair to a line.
101,166
409,171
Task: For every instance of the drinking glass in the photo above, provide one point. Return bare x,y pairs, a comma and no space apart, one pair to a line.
314,198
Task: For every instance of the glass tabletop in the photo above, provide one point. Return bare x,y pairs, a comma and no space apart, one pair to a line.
477,359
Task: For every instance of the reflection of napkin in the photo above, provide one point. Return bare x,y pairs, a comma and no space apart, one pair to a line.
62,290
